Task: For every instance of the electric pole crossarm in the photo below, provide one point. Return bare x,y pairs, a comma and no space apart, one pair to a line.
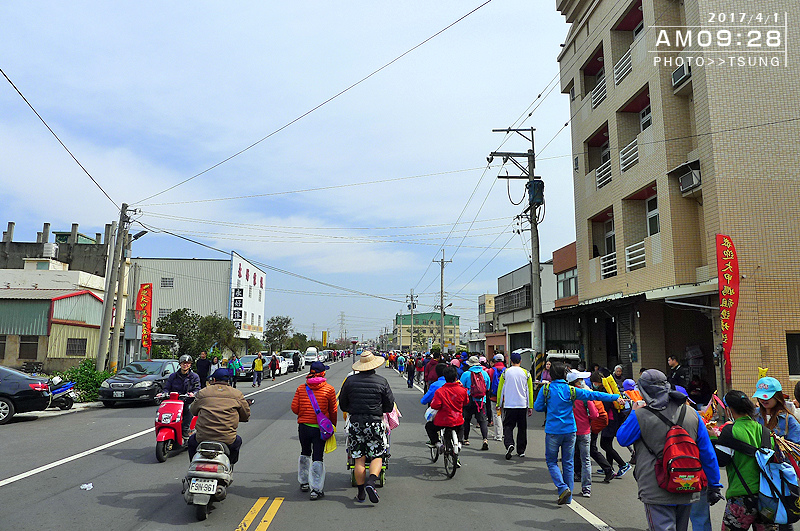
507,154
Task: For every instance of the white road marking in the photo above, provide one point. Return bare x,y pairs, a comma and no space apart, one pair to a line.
54,464
587,515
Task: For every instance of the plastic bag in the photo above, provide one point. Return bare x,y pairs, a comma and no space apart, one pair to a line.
430,413
330,443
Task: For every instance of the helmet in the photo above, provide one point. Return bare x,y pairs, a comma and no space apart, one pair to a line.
184,358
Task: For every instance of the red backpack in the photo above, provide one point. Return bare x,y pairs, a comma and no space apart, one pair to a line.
678,468
477,386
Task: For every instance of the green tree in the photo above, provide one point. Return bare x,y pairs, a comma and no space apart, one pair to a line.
298,342
420,340
183,324
216,329
277,330
436,348
254,345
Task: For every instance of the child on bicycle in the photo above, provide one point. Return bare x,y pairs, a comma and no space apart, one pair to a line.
449,401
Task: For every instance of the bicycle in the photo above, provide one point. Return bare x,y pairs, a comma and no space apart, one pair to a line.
449,440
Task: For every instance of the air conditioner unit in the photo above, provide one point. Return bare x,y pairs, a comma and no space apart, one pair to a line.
681,74
690,180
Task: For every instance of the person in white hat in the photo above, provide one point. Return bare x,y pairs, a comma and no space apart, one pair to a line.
366,396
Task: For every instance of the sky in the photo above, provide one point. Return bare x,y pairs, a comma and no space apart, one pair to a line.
363,192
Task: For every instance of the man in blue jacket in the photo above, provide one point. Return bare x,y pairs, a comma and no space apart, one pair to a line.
477,402
556,399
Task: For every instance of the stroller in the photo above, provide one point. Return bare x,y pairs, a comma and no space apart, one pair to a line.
351,461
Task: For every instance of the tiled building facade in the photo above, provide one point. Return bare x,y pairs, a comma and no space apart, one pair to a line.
664,158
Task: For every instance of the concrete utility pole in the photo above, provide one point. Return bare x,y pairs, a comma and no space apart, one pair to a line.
105,328
441,298
412,303
113,357
535,187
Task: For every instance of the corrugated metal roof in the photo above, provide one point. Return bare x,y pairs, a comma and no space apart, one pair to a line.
34,294
24,317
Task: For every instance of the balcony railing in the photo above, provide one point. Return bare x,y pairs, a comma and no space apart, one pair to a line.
603,174
623,67
599,92
629,155
635,256
608,265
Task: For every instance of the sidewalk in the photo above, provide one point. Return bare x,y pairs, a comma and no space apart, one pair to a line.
54,412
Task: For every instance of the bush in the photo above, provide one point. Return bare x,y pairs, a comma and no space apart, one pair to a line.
87,379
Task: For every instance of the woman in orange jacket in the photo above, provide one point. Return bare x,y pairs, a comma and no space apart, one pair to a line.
310,468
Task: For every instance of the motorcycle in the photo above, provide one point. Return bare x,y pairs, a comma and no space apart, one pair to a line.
209,476
169,432
62,396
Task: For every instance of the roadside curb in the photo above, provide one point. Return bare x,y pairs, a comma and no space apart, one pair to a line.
55,412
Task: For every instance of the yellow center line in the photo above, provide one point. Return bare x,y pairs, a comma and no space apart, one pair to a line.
270,514
251,514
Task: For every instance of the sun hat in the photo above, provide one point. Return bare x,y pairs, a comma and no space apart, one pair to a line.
367,362
473,360
318,366
766,387
498,357
577,375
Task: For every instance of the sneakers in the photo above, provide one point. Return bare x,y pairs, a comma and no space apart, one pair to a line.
440,448
305,487
430,445
372,493
458,463
316,494
586,492
623,470
564,497
485,445
466,442
522,454
509,451
609,476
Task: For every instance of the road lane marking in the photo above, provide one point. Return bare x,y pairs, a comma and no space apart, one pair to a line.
587,515
301,375
415,385
54,464
251,514
270,514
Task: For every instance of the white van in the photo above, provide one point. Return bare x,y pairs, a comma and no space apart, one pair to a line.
311,355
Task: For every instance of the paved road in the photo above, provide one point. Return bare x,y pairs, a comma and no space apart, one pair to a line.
132,491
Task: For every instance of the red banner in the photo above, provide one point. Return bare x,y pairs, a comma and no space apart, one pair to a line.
728,278
144,305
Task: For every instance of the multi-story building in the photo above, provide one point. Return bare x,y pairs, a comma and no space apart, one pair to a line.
669,151
485,322
426,327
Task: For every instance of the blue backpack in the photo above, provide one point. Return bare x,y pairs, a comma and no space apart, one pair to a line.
496,380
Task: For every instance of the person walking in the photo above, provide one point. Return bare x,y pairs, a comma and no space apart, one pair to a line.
430,369
615,418
647,431
214,366
258,369
365,396
585,412
515,405
410,370
203,368
310,466
476,381
234,366
555,399
495,372
273,366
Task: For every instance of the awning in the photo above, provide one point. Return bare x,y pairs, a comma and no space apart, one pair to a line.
605,304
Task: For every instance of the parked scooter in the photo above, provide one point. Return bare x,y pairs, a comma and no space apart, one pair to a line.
169,432
62,395
209,476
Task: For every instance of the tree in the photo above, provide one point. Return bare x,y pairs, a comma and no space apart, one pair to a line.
298,342
436,348
183,324
419,339
216,329
277,330
254,345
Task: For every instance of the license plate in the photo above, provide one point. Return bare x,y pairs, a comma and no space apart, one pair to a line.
73,395
203,486
119,394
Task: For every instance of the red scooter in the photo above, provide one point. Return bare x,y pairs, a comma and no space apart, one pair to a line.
169,433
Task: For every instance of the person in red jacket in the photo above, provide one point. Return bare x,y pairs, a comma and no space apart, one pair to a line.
430,369
449,401
310,468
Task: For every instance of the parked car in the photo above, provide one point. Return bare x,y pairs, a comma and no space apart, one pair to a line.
283,365
246,371
141,381
289,354
21,393
328,354
312,355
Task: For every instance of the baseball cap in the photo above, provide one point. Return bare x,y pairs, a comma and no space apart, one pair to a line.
766,387
515,357
577,375
318,366
221,374
682,390
498,357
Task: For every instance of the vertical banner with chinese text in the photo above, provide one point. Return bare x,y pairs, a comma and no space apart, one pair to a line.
728,275
144,305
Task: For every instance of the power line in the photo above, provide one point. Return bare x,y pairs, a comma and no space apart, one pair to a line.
318,106
59,140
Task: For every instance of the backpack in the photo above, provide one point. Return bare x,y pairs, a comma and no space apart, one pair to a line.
778,492
498,371
419,363
477,387
546,391
678,468
600,422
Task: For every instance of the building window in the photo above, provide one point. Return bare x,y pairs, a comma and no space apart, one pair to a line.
567,283
259,295
163,312
250,292
76,346
28,347
793,349
653,226
645,120
610,237
516,299
481,309
576,163
244,317
605,153
259,320
638,30
167,282
238,282
3,347
572,93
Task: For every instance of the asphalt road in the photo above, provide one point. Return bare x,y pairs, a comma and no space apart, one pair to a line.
130,490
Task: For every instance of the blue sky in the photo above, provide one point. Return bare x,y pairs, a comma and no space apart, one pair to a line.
148,94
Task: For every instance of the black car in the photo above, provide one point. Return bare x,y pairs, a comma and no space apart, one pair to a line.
20,393
140,381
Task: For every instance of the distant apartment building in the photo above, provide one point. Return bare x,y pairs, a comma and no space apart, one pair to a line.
666,155
426,330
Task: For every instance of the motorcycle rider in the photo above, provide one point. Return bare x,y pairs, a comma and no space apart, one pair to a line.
184,382
219,409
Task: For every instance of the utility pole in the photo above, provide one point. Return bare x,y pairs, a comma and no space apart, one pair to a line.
412,303
441,298
313,331
342,334
535,187
113,357
108,302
